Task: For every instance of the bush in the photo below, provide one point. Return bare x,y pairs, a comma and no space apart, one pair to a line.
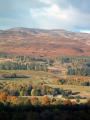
62,81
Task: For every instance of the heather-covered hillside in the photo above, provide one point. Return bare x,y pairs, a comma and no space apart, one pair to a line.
26,41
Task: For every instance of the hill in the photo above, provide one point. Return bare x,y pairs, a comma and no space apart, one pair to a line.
28,41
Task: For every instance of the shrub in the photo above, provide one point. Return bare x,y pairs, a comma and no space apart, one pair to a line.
62,81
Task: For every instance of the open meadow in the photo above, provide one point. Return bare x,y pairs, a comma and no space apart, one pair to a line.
39,79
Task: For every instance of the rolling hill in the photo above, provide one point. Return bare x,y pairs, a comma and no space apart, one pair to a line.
28,41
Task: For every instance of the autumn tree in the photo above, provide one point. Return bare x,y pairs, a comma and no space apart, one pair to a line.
45,100
67,102
35,100
35,92
12,100
3,96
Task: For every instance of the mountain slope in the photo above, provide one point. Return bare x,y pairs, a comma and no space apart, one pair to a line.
26,41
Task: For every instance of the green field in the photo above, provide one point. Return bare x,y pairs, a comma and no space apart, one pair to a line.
36,79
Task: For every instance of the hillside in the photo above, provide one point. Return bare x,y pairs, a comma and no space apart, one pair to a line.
27,41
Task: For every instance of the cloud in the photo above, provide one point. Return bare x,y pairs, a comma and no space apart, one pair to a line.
48,14
51,12
56,17
85,31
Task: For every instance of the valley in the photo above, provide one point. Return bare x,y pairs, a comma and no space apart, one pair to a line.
38,63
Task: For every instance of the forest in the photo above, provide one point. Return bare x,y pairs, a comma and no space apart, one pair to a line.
73,65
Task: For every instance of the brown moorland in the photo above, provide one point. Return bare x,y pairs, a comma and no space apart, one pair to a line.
26,41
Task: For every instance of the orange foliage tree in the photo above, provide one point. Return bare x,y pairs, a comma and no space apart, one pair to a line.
3,96
12,100
34,100
45,100
67,102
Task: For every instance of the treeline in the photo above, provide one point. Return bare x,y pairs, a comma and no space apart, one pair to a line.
79,71
73,59
39,90
75,65
23,66
46,100
14,108
36,63
26,59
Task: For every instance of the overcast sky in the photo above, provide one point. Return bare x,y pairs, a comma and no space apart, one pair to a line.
72,15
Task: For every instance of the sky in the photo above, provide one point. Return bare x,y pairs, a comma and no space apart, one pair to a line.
71,15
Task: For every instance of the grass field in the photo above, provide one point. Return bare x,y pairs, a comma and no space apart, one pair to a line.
38,77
